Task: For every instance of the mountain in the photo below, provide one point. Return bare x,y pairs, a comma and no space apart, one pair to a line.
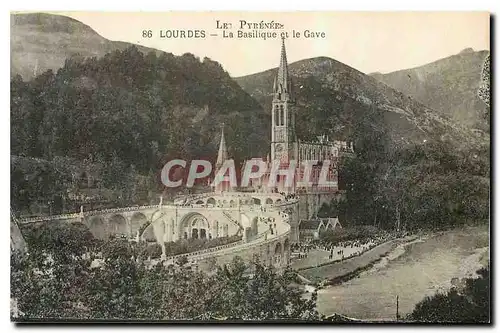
448,85
140,103
44,41
333,98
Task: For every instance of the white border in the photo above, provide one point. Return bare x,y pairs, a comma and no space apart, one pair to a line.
212,5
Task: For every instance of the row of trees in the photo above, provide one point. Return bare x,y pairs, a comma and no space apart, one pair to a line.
357,233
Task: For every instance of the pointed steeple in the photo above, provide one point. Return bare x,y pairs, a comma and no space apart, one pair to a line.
222,156
282,81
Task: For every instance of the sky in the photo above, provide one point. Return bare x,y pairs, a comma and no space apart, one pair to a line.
368,41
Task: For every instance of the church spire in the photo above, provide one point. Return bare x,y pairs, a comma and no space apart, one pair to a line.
222,156
282,81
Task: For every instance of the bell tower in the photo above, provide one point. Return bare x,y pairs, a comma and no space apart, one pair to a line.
283,139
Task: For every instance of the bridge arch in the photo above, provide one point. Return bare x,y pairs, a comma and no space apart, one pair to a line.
255,228
159,228
97,227
194,225
256,201
211,201
118,225
137,220
269,201
245,221
149,234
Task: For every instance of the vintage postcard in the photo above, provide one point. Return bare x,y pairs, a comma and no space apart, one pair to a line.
250,166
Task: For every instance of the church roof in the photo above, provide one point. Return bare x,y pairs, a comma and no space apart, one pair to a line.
309,224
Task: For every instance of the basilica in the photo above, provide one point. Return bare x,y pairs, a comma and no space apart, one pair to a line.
288,149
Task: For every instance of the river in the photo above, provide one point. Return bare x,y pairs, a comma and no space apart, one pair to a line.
411,271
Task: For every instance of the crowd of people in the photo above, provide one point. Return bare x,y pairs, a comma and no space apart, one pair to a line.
340,249
290,196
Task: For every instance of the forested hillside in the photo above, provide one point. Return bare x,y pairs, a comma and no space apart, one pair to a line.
413,167
136,106
131,112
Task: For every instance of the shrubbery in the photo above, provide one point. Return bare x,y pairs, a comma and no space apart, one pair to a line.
192,245
127,289
470,304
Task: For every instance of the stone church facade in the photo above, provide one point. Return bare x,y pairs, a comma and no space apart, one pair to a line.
286,147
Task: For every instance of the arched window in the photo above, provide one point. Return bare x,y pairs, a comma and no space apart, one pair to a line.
282,115
276,116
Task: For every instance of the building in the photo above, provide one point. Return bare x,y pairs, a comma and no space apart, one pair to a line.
310,229
286,148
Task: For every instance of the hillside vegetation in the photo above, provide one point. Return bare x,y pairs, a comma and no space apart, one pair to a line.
136,106
131,112
333,98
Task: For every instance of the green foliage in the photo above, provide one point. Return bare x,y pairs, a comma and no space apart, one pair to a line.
143,107
122,287
192,245
470,304
430,185
128,112
152,251
59,238
48,285
36,180
265,295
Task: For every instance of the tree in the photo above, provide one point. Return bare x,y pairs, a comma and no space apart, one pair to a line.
61,240
470,304
123,286
265,295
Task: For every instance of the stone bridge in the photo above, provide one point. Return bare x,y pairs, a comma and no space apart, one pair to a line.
267,222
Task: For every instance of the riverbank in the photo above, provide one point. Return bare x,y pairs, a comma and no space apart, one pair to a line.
339,271
409,271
